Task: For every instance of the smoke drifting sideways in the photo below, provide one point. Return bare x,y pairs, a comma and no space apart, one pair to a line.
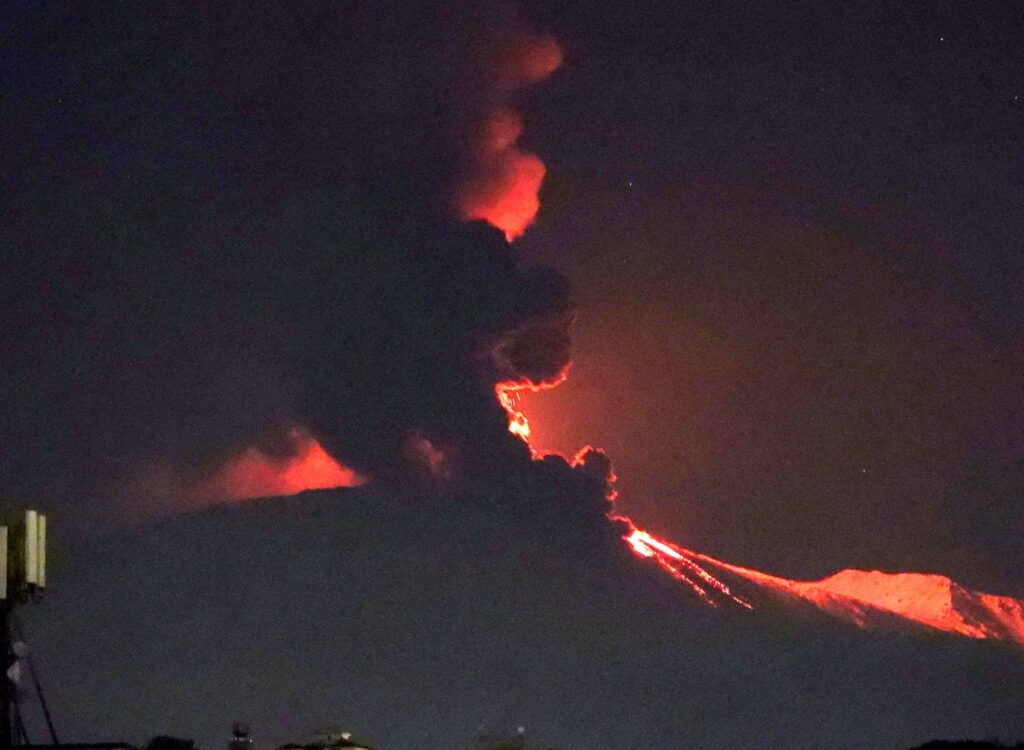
242,267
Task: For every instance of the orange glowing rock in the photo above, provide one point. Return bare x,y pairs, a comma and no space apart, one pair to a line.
509,398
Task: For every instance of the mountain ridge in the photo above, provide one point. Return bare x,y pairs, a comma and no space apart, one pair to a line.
872,598
412,617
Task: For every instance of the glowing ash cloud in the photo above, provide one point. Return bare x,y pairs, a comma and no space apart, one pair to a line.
505,191
422,452
503,181
254,473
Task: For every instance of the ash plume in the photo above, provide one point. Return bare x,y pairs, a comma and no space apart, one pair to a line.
253,234
501,184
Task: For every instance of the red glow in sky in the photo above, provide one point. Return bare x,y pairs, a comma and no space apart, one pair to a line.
254,473
504,181
510,397
672,559
870,600
504,191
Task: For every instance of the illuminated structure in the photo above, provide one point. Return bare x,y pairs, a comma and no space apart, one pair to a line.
240,738
328,739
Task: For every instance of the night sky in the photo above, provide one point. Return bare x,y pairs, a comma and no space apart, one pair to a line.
795,238
779,246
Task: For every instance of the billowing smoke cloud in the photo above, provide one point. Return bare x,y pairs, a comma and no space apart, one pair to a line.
252,234
502,182
421,368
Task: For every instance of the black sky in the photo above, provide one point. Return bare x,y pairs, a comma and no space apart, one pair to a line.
790,235
803,227
227,220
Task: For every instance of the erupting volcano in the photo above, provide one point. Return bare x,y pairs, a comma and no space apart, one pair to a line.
868,599
677,562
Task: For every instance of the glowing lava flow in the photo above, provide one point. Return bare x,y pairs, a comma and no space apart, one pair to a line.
868,599
876,600
677,562
674,560
518,425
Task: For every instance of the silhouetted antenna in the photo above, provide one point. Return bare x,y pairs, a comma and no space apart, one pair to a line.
22,579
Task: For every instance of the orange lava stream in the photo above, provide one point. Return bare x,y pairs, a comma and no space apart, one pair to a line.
868,599
674,560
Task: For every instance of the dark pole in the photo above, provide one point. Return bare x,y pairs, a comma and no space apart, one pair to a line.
30,662
6,684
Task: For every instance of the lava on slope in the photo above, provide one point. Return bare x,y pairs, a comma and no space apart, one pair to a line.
677,562
869,599
874,600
